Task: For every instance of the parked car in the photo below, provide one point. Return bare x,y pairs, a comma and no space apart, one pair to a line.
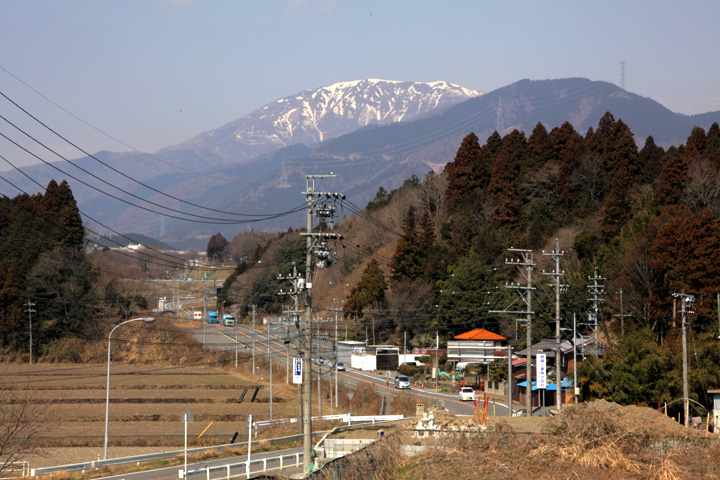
341,367
467,393
401,381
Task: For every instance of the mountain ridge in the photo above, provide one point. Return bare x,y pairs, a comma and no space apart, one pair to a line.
316,115
365,158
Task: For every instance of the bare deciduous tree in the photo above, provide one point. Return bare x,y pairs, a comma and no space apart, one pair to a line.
703,187
22,419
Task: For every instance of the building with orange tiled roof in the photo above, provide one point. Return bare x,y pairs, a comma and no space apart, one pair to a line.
476,346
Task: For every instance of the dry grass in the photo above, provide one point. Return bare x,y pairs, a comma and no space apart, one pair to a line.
596,441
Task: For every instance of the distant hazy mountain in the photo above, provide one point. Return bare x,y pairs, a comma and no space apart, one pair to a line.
313,116
371,133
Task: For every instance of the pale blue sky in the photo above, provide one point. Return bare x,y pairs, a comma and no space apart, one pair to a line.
153,73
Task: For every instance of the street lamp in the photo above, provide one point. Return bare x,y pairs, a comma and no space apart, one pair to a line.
107,388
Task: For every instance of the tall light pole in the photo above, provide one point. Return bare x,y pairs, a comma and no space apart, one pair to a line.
107,388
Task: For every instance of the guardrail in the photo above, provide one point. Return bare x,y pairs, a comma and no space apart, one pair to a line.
348,418
247,466
20,469
74,467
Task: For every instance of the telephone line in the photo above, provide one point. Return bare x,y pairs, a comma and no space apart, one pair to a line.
112,168
209,220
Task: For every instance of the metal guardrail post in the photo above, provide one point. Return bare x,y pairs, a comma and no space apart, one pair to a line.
264,465
228,471
207,473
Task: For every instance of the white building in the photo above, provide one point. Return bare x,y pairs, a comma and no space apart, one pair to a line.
476,346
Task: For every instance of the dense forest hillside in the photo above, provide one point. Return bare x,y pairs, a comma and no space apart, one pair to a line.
432,255
438,256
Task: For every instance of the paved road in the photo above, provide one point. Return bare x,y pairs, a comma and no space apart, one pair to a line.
217,336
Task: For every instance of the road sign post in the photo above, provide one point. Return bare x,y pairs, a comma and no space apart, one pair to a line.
186,417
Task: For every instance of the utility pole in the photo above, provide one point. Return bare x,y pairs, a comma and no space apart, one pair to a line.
335,356
596,290
315,242
30,311
298,284
319,367
575,386
622,315
510,382
558,356
526,262
437,365
269,354
686,304
404,346
253,338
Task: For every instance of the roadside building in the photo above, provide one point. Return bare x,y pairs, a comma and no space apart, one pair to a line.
375,357
346,348
478,346
715,412
546,397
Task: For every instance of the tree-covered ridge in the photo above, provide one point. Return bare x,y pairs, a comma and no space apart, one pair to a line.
647,219
647,210
42,262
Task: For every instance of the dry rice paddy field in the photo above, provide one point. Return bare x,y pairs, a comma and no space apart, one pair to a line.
146,405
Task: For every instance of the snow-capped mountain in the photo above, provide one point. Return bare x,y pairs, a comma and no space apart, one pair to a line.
314,116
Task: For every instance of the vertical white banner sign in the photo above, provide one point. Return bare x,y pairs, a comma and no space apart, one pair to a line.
541,372
297,370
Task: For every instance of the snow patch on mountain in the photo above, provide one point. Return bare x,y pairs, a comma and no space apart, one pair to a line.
314,116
